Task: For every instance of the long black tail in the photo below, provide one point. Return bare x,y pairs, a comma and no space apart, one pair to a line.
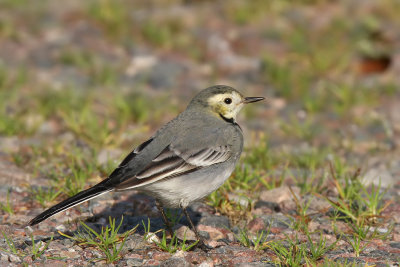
100,188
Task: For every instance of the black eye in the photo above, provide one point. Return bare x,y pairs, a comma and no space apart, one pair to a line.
228,100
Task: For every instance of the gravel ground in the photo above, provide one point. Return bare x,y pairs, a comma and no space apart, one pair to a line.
79,47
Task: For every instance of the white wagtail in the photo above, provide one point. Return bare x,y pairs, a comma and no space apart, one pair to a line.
184,161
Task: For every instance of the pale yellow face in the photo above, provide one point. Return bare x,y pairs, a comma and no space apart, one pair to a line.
227,105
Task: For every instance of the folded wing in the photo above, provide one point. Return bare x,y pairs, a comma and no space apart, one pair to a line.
171,163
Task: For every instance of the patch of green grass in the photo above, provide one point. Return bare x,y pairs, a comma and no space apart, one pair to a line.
97,71
112,16
260,157
173,216
44,196
247,12
343,263
310,73
293,252
106,241
317,249
302,217
355,202
7,207
308,166
244,177
12,248
51,103
89,126
258,242
254,169
289,252
357,244
81,170
157,35
372,201
305,129
233,209
36,250
14,111
169,33
81,59
173,244
147,227
132,107
70,168
368,232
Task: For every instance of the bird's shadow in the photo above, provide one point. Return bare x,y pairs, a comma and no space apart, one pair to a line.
137,210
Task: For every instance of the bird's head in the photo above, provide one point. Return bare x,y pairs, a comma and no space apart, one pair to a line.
222,100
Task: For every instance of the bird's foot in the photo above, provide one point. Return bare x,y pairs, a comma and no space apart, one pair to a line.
203,246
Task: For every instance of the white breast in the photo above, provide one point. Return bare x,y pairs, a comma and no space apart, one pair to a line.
180,191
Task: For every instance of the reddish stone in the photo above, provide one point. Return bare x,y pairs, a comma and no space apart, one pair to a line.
396,237
377,242
20,233
133,256
195,258
158,255
214,232
151,262
214,243
256,225
39,232
242,260
275,230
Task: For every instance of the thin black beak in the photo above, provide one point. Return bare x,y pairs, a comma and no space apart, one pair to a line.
252,99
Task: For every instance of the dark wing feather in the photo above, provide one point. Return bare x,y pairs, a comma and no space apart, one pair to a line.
136,151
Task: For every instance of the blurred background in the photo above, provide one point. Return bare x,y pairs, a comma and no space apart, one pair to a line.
83,82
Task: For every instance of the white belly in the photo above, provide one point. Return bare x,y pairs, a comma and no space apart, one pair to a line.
180,191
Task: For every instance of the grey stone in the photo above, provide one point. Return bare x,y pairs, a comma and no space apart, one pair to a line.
184,232
348,260
11,175
134,242
379,253
271,205
4,256
14,258
173,262
279,194
216,221
255,264
205,235
229,250
206,264
317,204
165,74
134,262
9,143
239,199
395,245
378,176
276,220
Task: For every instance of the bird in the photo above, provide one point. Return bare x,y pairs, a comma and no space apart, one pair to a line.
184,161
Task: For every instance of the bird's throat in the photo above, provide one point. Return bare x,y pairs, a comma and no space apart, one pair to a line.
231,120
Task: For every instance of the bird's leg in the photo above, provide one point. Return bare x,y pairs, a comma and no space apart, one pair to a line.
164,217
200,241
191,224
